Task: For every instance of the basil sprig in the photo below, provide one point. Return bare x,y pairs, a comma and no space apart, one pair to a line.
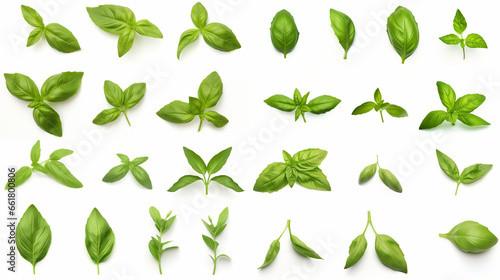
209,93
52,167
302,168
120,100
56,88
58,36
318,105
457,109
469,175
344,29
99,238
121,20
207,170
379,105
216,35
156,245
385,175
387,249
284,32
472,40
403,32
471,237
299,246
215,230
118,172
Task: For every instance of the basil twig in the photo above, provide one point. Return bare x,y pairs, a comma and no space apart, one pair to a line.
215,230
156,245
385,175
379,106
120,171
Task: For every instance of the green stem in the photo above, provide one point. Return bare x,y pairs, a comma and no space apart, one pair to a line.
206,182
159,259
463,50
303,117
458,185
345,54
215,259
126,117
443,235
377,162
370,222
382,116
199,127
98,271
33,269
287,226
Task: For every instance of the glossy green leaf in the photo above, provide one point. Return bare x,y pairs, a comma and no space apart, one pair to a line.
396,111
472,120
35,152
61,87
309,159
116,173
364,108
60,153
99,238
447,95
216,119
107,116
433,119
356,250
272,178
403,32
313,179
271,254
114,94
291,175
133,94
344,29
390,253
112,18
146,28
60,38
459,22
195,161
220,37
22,87
34,36
302,248
183,182
226,181
367,173
390,180
210,90
323,104
199,15
450,39
141,176
468,103
471,237
475,41
48,119
31,16
284,32
59,171
448,166
176,112
218,161
474,172
281,102
125,41
187,37
21,176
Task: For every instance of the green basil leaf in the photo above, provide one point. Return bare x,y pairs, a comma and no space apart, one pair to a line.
221,221
210,242
114,94
297,97
61,87
195,105
123,158
284,32
309,159
450,39
31,16
377,96
141,176
125,41
468,103
356,250
48,119
38,167
447,95
390,253
291,175
155,248
220,37
187,37
448,166
59,171
313,179
107,116
60,153
271,254
288,158
218,161
133,94
396,111
176,112
367,173
228,182
302,248
472,120
390,180
116,173
471,237
22,87
210,90
199,15
272,178
433,119
34,36
364,108
146,28
183,182
195,161
459,22
281,102
61,39
112,18
33,236
139,160
475,41
99,238
155,215
216,119
21,176
403,32
474,173
323,104
344,29
35,152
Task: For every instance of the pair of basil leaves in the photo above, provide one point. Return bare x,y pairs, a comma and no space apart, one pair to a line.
120,171
385,175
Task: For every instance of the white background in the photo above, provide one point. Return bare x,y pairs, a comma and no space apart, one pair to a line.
326,221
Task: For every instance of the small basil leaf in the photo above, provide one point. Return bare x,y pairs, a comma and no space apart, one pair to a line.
123,158
31,16
364,108
187,37
34,36
448,166
146,28
309,159
141,176
313,179
344,29
367,173
218,161
396,111
61,87
297,97
133,94
302,248
195,105
291,175
176,112
22,87
468,103
48,119
61,39
403,32
356,250
183,182
475,41
116,173
112,18
114,94
281,102
390,180
59,172
474,173
323,104
210,90
287,158
471,237
472,120
195,161
155,248
450,39
459,22
284,32
210,242
139,160
390,254
433,119
21,176
447,95
216,119
221,221
125,41
107,116
60,153
99,238
272,178
228,182
35,152
199,15
271,254
220,37
298,112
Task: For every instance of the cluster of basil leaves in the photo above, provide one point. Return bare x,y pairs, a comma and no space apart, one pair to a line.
385,175
118,172
156,245
379,106
215,230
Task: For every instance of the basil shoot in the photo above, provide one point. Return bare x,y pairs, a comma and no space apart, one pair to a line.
387,249
215,230
156,246
216,35
456,109
403,32
344,29
56,88
299,246
120,100
118,172
472,40
302,168
209,93
58,36
471,237
207,170
99,238
385,175
379,105
120,20
469,175
284,32
51,166
33,236
318,105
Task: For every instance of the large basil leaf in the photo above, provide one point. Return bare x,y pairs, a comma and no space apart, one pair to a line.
183,182
59,171
323,104
468,103
146,28
281,102
114,94
210,90
32,16
356,250
99,238
220,37
187,37
22,87
176,112
313,179
403,32
448,166
60,38
272,178
390,253
141,176
309,159
447,95
199,15
344,29
433,119
48,119
61,87
284,32
471,237
195,161
112,18
125,41
133,94
474,172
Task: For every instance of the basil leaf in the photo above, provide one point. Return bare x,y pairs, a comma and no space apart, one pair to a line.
156,216
309,159
60,153
61,87
313,179
472,120
474,172
116,173
272,178
227,182
450,39
155,247
187,37
123,158
222,220
195,161
146,28
99,238
195,105
199,15
107,116
271,254
31,16
48,119
210,90
468,103
218,161
344,29
59,171
390,253
139,160
281,102
284,32
447,95
141,176
448,166
133,94
471,237
216,119
291,175
183,182
433,119
112,18
356,250
34,36
114,94
459,22
367,173
35,152
210,243
403,32
396,111
323,104
220,37
302,248
297,97
60,38
176,112
364,108
22,87
33,236
390,180
125,41
21,176
288,158
475,41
